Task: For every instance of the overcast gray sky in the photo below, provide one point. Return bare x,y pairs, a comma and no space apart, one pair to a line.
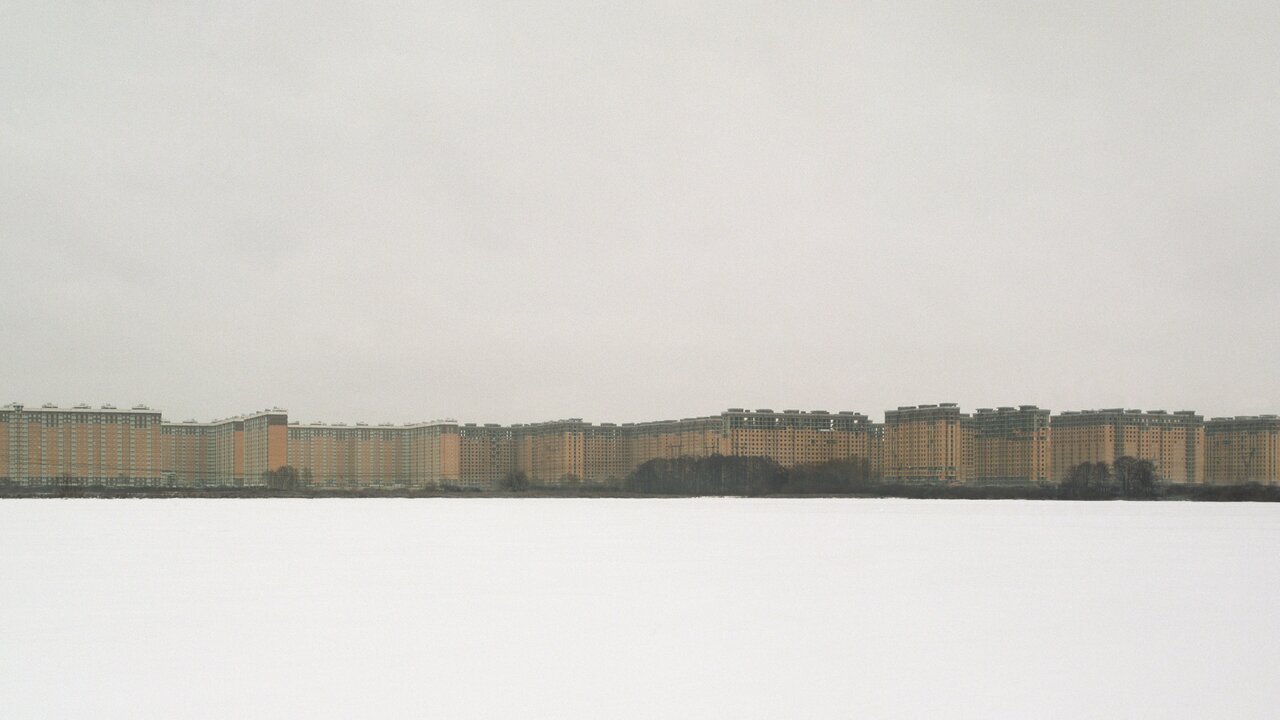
630,211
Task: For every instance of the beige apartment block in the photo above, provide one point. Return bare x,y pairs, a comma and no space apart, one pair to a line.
433,456
1173,442
668,439
790,437
602,454
571,451
234,452
875,448
107,445
1009,446
189,456
553,452
487,455
80,446
796,437
1243,449
228,452
341,456
266,442
927,443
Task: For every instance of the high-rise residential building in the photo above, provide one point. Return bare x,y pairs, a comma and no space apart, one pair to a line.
926,443
1173,442
37,445
188,454
875,447
790,437
1009,445
567,451
433,454
266,442
556,452
797,437
357,456
234,452
487,455
80,446
602,454
1243,449
667,439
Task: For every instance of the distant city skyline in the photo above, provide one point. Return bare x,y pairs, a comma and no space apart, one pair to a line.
932,443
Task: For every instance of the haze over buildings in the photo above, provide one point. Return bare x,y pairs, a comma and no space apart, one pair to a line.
633,212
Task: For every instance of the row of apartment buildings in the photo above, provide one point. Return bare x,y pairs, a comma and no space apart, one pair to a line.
82,445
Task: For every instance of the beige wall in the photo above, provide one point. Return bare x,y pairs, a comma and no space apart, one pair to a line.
1009,445
1243,450
82,446
924,444
1174,443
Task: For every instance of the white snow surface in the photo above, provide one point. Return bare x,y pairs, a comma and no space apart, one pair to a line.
702,608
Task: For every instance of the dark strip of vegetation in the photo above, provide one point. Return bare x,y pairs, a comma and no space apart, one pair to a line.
1127,478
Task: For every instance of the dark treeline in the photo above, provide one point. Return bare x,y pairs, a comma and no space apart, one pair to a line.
1127,478
750,476
762,477
1251,492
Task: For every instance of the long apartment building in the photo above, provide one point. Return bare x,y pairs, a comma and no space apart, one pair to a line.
562,452
108,446
789,437
234,452
1009,445
82,445
1173,442
927,443
993,446
1243,449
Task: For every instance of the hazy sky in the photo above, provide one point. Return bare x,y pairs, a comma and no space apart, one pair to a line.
630,211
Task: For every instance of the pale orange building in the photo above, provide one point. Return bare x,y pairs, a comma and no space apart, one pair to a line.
487,455
190,457
341,456
555,452
667,439
80,446
266,442
927,443
796,437
1173,442
434,455
1009,446
1243,449
84,446
234,452
875,444
573,451
790,437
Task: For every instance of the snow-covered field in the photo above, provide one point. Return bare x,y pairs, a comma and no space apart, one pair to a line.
638,608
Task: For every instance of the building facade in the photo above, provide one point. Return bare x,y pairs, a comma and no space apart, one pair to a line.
1009,446
927,443
1173,442
1243,449
81,446
108,446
